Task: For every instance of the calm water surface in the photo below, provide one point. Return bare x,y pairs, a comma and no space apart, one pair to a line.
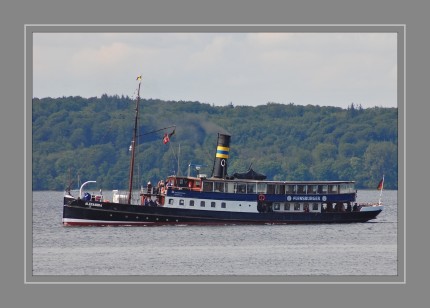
333,249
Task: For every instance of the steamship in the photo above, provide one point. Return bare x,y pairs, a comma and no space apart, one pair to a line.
242,198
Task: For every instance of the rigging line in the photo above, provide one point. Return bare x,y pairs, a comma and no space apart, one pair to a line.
155,131
173,151
174,155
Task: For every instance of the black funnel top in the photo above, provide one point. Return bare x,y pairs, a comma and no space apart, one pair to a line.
221,156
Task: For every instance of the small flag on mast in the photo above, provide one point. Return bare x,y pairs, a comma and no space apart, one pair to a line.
381,184
139,77
166,137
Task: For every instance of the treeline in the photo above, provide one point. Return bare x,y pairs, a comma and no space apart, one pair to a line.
89,139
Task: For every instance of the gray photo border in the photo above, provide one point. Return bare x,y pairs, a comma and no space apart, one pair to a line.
401,244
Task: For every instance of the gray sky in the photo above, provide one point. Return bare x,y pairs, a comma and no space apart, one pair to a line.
326,69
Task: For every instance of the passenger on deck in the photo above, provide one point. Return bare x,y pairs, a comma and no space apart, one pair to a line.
162,188
169,185
339,207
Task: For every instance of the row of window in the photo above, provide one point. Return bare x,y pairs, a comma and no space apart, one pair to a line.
287,206
265,188
277,206
202,203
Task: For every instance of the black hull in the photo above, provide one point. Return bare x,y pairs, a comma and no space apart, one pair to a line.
121,214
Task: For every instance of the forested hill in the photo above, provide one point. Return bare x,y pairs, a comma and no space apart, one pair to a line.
91,138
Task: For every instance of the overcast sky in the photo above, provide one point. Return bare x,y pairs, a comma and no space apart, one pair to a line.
326,69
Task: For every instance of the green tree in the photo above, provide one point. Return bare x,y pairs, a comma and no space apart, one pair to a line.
284,141
381,159
324,151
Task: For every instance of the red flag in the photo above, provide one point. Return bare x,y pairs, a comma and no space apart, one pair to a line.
381,184
166,138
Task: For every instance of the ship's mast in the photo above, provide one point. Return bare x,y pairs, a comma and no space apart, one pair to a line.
133,144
